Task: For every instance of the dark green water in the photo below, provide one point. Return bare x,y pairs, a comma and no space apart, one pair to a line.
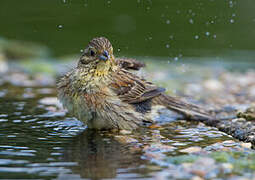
173,28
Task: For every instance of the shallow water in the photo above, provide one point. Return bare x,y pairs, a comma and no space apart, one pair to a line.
39,140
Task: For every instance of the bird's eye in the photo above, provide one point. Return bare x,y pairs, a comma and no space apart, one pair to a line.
92,53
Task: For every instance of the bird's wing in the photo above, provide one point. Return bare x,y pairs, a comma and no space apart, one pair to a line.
132,89
129,64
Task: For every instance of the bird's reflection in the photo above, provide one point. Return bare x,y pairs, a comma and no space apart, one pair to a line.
101,155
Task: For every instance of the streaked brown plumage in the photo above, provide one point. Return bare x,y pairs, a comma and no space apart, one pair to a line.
104,94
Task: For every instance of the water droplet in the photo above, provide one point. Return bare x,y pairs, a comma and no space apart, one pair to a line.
191,21
60,26
232,21
196,36
167,46
207,33
168,21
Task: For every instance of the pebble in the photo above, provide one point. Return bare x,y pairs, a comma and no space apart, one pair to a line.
197,178
50,101
125,139
125,132
213,85
246,145
194,149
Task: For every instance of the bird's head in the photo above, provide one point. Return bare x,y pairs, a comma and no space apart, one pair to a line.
98,53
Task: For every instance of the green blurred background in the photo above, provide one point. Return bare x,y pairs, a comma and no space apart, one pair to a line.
162,28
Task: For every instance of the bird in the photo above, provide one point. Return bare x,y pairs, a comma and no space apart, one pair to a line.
103,92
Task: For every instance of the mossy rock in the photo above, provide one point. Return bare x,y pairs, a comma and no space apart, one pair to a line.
249,114
14,50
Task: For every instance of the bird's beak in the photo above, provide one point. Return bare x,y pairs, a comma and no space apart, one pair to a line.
104,56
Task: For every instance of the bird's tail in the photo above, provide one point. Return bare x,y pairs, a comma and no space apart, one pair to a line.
189,110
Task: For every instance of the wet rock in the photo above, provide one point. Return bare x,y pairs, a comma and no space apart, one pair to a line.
125,132
246,145
19,79
213,85
125,139
194,149
226,165
158,147
238,128
26,80
249,114
154,126
50,101
196,178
